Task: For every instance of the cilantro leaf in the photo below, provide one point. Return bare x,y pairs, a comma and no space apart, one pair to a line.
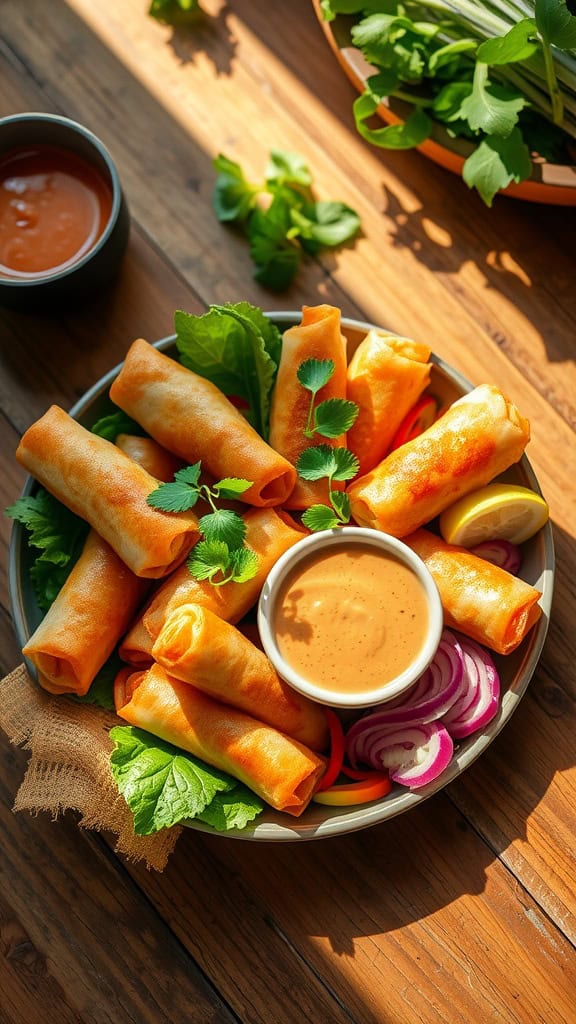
208,558
275,254
341,504
238,349
223,525
495,163
444,55
325,461
325,224
490,108
116,423
334,417
233,196
231,487
161,784
320,517
244,563
448,102
234,809
313,374
519,43
287,168
412,132
176,496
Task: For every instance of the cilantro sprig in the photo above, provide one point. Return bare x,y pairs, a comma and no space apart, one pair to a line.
330,418
281,217
220,557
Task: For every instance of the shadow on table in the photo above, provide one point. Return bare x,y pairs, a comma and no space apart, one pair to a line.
211,36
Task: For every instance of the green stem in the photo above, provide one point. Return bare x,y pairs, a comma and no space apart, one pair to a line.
553,87
205,490
308,429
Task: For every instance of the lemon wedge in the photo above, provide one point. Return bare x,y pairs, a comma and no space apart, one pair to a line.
498,511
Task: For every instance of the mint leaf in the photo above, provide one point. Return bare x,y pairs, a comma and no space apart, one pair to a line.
188,474
556,24
519,43
116,423
223,525
490,108
160,783
495,163
314,374
233,195
208,558
244,565
173,497
231,487
320,517
238,349
287,168
235,809
334,417
325,461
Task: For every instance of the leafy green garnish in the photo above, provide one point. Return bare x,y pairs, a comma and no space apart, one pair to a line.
224,531
57,534
237,348
115,423
490,72
324,461
281,217
334,416
313,374
101,692
163,785
170,11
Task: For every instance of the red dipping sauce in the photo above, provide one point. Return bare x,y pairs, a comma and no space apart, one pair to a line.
54,206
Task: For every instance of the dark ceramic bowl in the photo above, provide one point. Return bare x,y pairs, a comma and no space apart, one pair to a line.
98,265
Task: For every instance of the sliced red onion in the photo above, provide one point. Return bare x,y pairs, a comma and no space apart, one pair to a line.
436,689
480,702
414,754
500,552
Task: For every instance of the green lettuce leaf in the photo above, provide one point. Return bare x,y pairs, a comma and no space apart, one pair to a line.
115,423
57,534
163,786
238,349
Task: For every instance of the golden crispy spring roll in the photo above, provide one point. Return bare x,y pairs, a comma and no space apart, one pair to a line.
100,483
269,532
318,336
481,600
199,648
279,769
386,377
478,437
156,460
86,620
190,417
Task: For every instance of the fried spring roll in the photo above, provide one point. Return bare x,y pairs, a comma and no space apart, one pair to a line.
86,620
318,336
479,599
100,483
386,377
478,437
190,417
199,648
156,460
279,769
269,532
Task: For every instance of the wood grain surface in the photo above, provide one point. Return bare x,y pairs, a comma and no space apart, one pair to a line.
461,911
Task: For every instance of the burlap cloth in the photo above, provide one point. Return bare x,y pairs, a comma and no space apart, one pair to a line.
69,767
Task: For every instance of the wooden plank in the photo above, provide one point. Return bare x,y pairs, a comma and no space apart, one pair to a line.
71,910
414,920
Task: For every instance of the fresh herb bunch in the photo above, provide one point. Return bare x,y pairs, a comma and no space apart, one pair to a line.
280,217
330,418
500,74
221,556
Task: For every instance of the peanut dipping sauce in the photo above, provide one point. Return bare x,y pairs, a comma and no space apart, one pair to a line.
53,208
351,619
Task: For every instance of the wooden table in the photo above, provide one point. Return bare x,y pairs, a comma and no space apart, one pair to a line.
465,909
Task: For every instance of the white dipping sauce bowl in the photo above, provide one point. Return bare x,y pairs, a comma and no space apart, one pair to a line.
323,541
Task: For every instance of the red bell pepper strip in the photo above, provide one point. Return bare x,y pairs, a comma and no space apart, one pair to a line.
355,792
420,417
336,750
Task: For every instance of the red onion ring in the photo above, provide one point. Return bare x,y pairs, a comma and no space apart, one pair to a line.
481,700
414,754
503,553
